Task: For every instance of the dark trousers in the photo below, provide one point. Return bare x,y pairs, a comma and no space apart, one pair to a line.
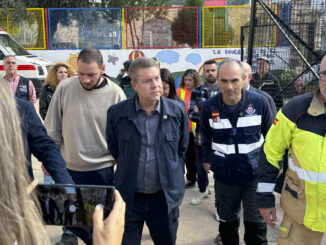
202,177
191,159
229,200
152,209
104,176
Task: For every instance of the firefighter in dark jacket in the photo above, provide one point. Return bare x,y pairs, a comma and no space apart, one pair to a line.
234,123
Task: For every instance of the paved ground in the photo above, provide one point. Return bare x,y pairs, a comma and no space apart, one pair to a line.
197,224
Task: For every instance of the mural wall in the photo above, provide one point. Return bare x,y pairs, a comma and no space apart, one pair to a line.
176,60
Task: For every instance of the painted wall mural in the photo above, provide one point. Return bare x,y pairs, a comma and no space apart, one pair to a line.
176,60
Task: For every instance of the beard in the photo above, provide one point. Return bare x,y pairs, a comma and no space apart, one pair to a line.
210,79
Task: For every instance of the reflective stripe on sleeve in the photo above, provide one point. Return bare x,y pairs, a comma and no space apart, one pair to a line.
249,121
265,187
220,124
246,148
223,148
307,175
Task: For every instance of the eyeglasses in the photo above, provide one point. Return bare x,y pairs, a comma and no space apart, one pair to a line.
322,76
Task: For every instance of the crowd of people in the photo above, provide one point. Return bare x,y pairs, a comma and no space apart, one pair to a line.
140,134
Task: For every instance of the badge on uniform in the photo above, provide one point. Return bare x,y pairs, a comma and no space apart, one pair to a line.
216,116
250,110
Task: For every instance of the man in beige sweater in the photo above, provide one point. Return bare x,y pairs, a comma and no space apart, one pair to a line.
76,120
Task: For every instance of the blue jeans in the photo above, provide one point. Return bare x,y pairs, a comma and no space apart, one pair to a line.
201,173
152,209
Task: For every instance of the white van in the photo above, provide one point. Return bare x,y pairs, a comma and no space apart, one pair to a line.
29,66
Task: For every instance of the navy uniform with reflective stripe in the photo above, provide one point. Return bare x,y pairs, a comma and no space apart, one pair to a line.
232,141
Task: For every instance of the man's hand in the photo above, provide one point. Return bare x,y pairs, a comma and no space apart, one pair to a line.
207,167
122,71
196,109
298,84
269,215
109,231
45,172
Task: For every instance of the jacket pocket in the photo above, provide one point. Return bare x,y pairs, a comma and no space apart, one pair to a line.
293,200
172,148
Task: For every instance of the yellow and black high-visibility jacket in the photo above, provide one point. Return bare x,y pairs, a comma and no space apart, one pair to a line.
300,126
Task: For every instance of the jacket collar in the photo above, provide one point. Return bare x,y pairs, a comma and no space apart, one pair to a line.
243,102
317,106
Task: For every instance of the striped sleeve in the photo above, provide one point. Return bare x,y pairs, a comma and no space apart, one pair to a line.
278,139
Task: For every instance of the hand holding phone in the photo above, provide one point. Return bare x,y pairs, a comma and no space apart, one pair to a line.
109,231
73,205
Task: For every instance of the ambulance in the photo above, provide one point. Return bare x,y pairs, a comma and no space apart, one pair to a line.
29,66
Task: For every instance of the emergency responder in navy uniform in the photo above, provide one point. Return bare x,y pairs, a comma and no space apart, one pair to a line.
234,123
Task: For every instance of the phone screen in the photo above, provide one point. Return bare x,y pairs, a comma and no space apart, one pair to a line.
73,205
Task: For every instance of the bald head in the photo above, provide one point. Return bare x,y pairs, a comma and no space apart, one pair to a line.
248,74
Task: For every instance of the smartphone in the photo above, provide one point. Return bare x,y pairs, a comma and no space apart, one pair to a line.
73,205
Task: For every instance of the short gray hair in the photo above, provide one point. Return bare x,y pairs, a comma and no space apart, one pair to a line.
8,56
228,61
141,63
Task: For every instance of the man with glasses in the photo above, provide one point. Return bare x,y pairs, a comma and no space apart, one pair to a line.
300,126
266,82
22,87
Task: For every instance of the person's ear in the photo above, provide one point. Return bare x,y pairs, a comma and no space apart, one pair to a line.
134,85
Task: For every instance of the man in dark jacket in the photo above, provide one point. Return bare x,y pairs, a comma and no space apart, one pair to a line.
265,81
124,81
148,136
234,123
38,143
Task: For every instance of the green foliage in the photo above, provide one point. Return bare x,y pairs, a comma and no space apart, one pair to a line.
288,75
183,27
194,3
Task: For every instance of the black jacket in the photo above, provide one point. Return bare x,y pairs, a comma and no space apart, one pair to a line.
270,85
45,99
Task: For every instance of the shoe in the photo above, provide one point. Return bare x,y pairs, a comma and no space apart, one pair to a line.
198,199
217,217
68,239
190,183
218,240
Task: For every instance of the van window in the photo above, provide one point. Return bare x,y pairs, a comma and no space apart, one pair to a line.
11,45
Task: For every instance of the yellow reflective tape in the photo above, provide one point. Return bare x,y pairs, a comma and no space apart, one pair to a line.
283,229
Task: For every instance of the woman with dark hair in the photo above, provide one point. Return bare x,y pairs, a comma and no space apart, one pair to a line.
169,90
189,80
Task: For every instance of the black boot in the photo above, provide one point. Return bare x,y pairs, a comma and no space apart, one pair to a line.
255,233
229,232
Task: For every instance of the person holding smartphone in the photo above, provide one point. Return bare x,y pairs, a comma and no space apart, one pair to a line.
23,225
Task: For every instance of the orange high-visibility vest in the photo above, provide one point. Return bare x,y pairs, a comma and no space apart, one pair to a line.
185,95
